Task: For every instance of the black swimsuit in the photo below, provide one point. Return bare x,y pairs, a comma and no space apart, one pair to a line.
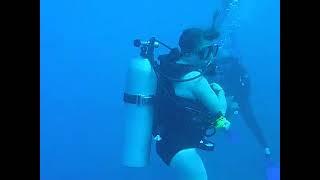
179,127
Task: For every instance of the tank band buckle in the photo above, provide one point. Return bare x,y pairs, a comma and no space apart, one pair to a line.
137,99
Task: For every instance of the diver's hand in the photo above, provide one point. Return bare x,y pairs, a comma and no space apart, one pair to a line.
216,87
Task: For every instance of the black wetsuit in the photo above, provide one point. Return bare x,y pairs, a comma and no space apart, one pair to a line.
179,121
234,79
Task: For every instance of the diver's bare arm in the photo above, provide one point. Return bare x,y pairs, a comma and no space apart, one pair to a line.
203,92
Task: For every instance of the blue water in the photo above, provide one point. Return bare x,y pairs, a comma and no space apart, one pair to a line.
85,46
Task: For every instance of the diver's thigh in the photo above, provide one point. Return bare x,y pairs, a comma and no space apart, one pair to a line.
189,165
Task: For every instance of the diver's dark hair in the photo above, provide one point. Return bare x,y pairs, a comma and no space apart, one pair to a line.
191,38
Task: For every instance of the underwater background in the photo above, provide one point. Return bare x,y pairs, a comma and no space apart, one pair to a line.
85,46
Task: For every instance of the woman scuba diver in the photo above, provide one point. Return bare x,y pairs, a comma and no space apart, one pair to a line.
186,110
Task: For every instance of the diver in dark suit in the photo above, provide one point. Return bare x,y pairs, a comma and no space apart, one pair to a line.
233,76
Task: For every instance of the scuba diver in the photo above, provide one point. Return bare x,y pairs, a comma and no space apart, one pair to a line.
232,75
188,108
173,101
234,78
